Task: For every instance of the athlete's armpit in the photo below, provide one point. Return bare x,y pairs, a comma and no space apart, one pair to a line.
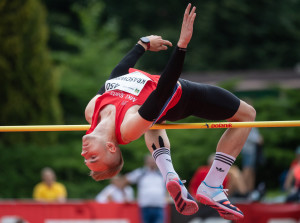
89,110
133,127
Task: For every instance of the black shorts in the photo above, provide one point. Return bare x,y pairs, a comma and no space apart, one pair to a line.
203,101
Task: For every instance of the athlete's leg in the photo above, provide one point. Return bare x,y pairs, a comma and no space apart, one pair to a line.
221,104
214,103
157,140
229,146
158,144
233,140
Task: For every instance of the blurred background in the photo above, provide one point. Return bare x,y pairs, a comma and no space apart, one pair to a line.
55,55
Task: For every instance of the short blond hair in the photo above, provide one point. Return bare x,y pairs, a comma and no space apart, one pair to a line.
110,172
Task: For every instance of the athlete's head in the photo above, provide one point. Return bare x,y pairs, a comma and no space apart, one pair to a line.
103,158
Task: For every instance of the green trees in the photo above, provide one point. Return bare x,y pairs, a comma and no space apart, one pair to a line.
28,85
96,51
228,34
247,35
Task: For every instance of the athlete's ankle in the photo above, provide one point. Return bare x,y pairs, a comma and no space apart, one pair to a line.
217,193
219,169
162,157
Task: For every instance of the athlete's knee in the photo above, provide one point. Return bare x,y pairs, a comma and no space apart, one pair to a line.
245,113
251,113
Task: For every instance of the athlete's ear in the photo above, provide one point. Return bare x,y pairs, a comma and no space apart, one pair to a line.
111,147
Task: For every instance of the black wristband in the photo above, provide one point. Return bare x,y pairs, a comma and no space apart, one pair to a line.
140,46
182,49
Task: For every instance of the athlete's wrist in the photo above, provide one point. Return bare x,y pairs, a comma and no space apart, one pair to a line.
142,44
182,44
181,49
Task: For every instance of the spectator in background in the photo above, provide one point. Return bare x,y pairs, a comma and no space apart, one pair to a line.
249,158
151,191
117,191
292,182
49,190
20,220
234,181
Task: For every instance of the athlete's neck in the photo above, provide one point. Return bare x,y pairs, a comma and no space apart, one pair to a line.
106,123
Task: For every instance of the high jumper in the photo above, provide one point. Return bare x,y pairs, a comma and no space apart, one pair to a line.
131,101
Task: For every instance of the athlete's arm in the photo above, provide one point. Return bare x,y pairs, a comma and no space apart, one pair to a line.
131,58
89,110
127,62
157,99
137,123
156,44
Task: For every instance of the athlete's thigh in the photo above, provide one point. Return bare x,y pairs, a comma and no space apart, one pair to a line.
203,101
156,139
216,104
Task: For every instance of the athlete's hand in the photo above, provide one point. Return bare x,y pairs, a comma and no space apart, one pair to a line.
187,26
157,43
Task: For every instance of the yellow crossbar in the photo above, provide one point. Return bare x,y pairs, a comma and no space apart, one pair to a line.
209,125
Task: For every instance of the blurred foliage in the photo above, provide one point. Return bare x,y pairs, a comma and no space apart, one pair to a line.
28,84
233,34
24,162
228,34
96,50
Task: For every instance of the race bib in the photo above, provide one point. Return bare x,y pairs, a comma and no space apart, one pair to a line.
132,83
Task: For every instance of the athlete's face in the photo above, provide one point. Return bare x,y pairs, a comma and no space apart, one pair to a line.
94,152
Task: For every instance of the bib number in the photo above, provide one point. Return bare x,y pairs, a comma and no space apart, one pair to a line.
132,83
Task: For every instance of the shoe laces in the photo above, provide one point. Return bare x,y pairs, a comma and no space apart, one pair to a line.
220,188
225,191
181,182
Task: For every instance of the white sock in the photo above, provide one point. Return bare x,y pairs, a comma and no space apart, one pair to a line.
219,169
163,161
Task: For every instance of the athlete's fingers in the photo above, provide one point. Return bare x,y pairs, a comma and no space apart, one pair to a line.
163,47
193,10
187,11
192,15
191,23
167,42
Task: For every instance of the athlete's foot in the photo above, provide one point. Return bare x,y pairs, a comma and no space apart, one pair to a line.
184,202
215,197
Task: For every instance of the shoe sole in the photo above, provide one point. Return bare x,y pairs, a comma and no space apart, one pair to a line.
183,206
223,211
